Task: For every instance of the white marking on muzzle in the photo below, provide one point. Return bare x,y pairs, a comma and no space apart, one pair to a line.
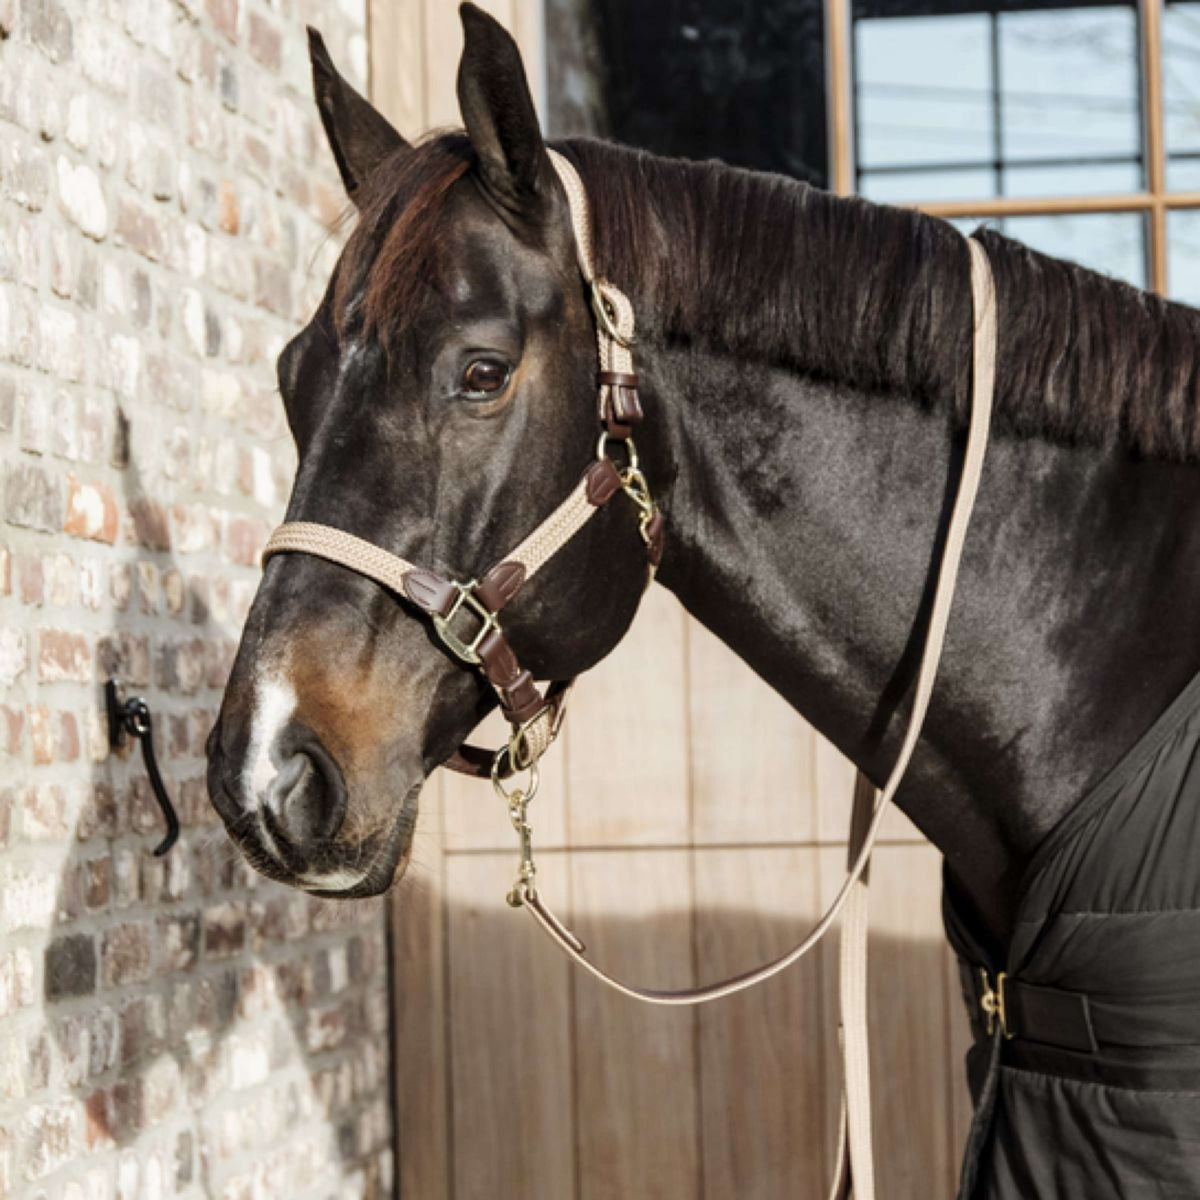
275,701
334,881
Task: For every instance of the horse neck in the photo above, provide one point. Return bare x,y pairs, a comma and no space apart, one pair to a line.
804,515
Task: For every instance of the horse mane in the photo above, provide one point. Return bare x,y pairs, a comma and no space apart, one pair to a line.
879,298
864,294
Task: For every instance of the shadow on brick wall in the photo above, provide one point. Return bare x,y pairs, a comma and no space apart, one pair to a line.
226,1036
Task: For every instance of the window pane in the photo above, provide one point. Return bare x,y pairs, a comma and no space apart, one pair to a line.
1181,94
922,91
1028,99
1073,181
1069,85
1114,243
908,187
1183,255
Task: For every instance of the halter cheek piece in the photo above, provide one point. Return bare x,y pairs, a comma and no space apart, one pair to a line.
466,618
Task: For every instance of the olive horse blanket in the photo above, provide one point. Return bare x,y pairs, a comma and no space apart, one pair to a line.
1095,1093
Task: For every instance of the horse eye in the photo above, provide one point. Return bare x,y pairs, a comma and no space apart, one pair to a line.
485,377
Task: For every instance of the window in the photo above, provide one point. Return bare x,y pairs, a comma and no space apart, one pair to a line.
1074,127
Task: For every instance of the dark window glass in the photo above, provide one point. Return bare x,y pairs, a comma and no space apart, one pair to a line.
732,79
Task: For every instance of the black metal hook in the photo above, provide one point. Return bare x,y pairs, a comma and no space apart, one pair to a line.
131,718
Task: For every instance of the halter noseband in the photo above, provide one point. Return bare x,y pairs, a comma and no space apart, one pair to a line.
466,615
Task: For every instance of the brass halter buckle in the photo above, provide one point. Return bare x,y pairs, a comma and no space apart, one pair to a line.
467,651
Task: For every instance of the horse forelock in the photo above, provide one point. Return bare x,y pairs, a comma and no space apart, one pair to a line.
393,256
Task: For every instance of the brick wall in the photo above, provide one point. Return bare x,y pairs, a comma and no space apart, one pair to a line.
174,1026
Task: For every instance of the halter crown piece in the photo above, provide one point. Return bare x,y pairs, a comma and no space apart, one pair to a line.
466,618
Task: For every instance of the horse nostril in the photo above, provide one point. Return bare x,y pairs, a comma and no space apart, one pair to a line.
306,800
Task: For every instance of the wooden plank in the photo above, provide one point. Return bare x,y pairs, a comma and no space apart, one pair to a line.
627,748
477,819
509,1016
443,46
909,1021
397,67
636,1118
751,753
529,28
419,1016
762,1071
959,1042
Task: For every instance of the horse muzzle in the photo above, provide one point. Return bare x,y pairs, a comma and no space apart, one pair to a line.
286,810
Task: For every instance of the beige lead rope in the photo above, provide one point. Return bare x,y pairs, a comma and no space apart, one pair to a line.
852,894
981,403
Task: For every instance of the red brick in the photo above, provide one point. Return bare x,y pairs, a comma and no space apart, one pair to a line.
49,1137
244,540
97,883
41,735
100,815
178,942
45,811
148,525
91,511
70,966
224,16
33,497
224,931
31,579
12,729
125,954
97,1130
266,44
143,1028
63,655
140,229
228,216
272,287
257,158
68,737
126,655
49,28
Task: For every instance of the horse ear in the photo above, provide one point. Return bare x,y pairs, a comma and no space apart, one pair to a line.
497,110
359,135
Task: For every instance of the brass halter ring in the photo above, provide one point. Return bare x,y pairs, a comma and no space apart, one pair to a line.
606,315
508,794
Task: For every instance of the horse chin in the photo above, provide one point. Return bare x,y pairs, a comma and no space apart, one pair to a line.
387,859
386,868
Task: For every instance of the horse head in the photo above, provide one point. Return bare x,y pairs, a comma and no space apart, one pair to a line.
443,402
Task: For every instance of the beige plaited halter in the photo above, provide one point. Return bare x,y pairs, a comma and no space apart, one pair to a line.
535,717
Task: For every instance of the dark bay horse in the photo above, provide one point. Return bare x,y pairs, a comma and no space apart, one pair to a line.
805,365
